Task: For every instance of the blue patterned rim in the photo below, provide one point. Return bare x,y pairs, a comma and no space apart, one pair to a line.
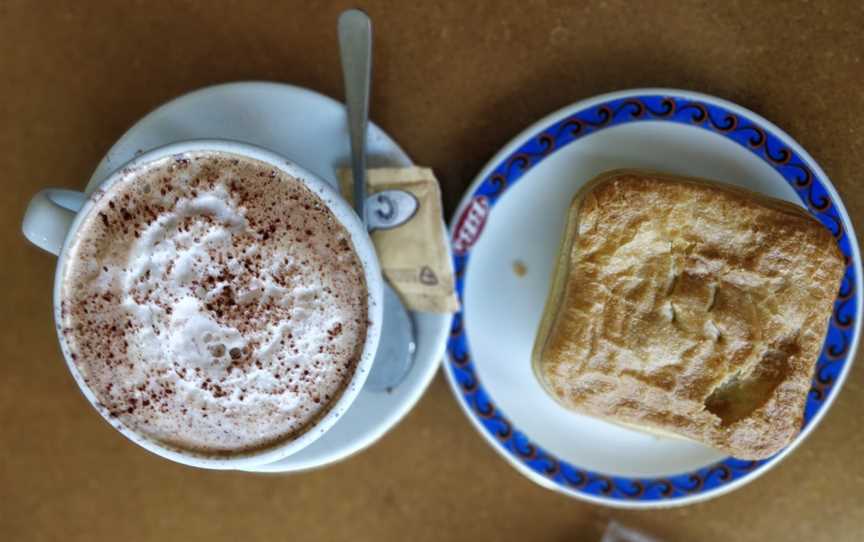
745,129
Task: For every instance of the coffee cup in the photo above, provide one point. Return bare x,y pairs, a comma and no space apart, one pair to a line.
53,221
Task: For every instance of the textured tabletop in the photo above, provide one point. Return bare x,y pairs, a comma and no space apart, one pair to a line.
453,82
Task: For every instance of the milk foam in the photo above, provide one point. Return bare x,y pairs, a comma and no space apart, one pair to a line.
213,303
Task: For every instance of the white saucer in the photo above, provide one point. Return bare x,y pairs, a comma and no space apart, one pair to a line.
309,129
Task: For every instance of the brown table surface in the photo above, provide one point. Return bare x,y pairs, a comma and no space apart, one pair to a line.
453,83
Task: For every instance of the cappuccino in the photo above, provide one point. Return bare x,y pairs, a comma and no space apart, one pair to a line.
213,303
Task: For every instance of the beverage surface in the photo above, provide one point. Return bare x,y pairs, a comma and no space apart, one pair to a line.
213,303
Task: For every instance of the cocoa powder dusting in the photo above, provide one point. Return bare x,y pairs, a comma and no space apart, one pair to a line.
191,304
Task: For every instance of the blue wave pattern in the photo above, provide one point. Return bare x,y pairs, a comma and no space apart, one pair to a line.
743,131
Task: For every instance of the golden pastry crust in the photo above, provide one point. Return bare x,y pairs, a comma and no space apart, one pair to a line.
688,307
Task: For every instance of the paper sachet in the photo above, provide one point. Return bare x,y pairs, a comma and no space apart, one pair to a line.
404,213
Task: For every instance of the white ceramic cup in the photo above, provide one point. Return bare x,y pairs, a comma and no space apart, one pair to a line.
54,216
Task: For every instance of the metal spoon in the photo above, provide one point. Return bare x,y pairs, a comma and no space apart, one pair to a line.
396,348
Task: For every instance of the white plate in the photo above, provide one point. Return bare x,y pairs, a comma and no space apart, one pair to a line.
514,214
309,129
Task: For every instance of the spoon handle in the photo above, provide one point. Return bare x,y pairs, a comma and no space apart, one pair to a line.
355,47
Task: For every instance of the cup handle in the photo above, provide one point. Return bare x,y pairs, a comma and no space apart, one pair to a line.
49,217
